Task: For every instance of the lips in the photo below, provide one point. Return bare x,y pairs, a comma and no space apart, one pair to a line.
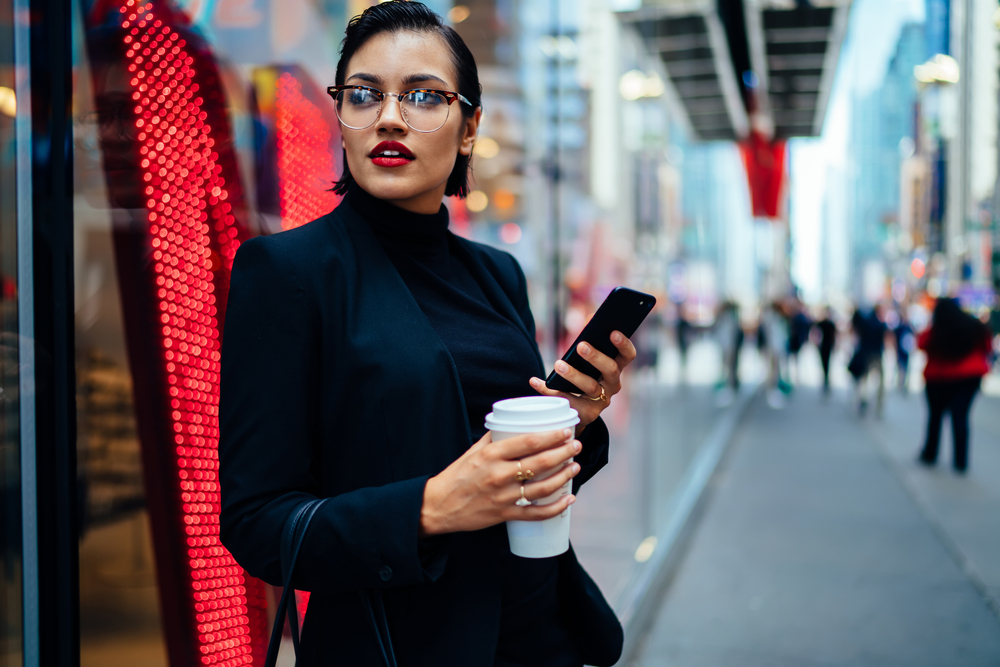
391,154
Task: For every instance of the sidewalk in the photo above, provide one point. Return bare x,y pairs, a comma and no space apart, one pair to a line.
822,543
659,427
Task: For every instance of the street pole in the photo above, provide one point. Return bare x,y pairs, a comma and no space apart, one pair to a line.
960,231
555,174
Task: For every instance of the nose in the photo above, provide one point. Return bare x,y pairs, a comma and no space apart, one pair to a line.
390,117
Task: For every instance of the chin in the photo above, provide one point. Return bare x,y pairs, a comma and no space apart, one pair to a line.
382,190
395,189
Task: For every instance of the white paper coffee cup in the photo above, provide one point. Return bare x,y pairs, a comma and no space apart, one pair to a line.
536,414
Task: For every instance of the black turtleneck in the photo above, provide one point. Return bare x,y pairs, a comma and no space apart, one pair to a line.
493,357
494,361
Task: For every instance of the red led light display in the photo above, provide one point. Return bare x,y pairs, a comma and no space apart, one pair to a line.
191,227
305,161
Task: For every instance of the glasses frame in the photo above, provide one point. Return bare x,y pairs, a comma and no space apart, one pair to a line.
448,95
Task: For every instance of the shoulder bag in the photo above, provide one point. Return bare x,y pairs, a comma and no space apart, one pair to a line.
370,600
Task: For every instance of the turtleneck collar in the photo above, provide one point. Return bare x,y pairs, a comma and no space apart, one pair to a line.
399,226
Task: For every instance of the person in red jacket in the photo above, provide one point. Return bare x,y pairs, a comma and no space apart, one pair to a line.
957,346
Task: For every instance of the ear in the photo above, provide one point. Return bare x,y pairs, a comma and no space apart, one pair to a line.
470,130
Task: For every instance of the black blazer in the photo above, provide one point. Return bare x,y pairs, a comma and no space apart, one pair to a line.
334,384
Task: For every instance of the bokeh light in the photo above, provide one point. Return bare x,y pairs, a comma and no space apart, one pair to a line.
458,13
477,201
486,148
510,233
504,199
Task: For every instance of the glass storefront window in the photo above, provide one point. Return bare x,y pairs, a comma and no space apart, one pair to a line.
196,125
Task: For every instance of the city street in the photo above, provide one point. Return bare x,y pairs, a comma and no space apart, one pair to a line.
822,542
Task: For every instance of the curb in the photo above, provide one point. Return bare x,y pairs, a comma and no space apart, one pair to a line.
638,603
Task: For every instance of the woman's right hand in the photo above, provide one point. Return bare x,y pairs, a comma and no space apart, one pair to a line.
480,488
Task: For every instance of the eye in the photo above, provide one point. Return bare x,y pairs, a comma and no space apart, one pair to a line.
425,99
361,97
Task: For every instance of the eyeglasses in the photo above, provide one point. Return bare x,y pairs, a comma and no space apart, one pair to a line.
424,110
111,120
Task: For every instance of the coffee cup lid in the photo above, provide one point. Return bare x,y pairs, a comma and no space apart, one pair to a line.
529,412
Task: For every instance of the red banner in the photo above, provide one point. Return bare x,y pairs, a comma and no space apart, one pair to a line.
765,164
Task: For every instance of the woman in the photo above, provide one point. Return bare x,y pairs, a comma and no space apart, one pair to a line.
362,353
957,346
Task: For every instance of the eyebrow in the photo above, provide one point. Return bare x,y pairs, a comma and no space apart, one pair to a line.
407,81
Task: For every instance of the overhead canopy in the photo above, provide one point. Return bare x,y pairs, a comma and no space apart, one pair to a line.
741,63
693,45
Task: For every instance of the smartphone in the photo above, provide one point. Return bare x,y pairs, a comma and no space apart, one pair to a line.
623,310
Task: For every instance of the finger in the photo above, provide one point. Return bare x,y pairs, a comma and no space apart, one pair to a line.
578,404
626,350
542,463
581,405
482,442
520,446
539,385
586,384
539,512
609,367
549,485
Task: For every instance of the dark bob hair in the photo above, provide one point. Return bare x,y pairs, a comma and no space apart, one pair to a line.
403,15
954,332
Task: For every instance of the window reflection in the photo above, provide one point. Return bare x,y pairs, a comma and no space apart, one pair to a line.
173,119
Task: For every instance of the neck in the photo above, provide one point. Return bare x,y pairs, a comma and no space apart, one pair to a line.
386,217
427,203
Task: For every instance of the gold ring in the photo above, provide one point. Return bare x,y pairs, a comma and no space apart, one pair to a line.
525,476
522,501
602,397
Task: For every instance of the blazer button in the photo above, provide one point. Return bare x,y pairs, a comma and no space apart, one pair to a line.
385,573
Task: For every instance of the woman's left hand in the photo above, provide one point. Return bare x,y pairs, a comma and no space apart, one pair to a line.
596,394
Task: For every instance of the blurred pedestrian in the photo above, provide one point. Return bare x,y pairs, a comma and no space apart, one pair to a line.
827,340
647,341
870,332
903,336
683,331
799,325
957,346
729,335
774,327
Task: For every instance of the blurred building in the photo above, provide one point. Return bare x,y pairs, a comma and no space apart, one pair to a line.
949,186
882,136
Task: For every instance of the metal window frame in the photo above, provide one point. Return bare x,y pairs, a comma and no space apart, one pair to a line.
43,55
25,332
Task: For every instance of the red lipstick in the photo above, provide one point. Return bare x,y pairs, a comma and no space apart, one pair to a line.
391,154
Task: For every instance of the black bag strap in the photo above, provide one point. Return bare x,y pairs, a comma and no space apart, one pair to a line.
290,548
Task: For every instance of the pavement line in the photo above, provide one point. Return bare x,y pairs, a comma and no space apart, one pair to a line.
939,529
636,604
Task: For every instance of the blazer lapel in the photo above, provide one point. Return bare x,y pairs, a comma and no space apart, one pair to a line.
383,283
494,292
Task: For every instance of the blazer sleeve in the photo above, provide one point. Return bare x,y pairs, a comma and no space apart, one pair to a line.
595,438
269,441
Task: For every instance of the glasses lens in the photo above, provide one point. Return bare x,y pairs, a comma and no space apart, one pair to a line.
425,111
357,107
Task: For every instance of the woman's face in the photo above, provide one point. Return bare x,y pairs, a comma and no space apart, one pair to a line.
393,63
